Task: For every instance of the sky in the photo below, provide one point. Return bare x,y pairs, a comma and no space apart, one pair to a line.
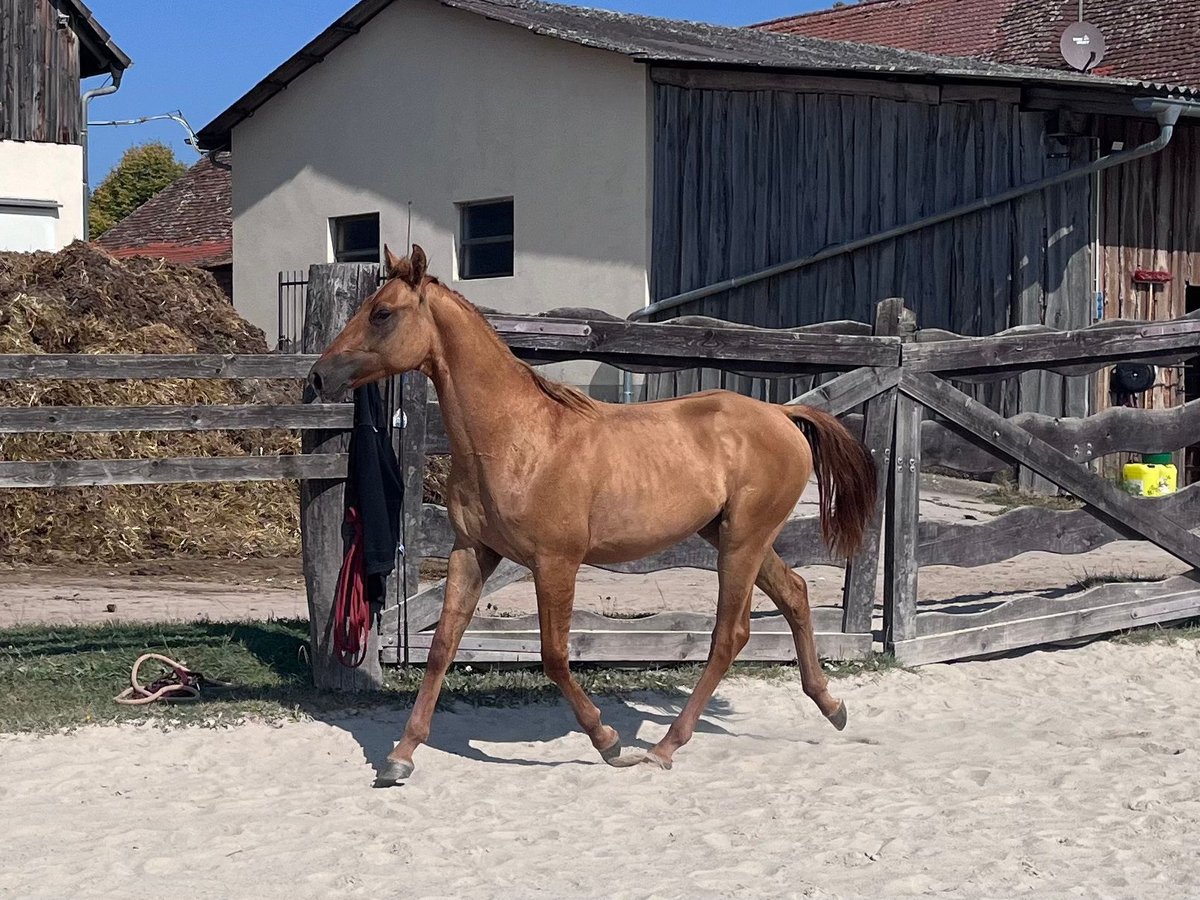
199,58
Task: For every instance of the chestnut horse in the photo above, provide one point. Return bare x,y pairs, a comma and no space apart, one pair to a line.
546,476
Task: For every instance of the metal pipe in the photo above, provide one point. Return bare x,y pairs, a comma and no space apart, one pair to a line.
87,98
1166,111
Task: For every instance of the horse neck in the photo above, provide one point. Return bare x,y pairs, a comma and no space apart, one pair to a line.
488,398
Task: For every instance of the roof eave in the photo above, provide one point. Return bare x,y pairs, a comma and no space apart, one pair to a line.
106,56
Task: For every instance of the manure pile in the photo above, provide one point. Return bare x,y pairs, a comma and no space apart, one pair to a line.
81,300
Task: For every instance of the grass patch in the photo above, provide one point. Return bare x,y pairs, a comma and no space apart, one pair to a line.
1096,579
1157,634
57,677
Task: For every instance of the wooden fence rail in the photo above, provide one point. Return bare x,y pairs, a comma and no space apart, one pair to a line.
894,384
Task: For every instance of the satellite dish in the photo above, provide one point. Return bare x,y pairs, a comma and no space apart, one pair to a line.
1082,46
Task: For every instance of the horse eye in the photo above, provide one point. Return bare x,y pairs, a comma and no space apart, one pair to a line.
380,315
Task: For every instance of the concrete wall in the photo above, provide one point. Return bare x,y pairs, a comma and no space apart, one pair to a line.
44,172
438,107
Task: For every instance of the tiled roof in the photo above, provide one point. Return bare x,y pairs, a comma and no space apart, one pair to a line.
654,40
189,221
1155,41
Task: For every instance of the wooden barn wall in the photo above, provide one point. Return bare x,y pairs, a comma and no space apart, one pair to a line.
746,179
1150,219
39,74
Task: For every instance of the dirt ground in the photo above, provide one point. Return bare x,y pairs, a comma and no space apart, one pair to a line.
184,590
1052,774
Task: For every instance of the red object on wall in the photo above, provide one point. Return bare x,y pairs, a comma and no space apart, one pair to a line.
1151,276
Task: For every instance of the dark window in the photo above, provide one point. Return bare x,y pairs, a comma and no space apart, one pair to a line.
355,238
486,239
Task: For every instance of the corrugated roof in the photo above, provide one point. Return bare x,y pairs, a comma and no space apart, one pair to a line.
655,40
101,53
190,220
1156,43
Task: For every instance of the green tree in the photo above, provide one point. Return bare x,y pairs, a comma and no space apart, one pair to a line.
143,171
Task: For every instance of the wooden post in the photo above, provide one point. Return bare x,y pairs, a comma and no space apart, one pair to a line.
334,292
858,590
414,401
903,514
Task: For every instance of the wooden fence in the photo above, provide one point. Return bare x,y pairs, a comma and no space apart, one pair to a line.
901,388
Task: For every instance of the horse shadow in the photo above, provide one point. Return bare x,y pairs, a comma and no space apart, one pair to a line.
466,720
463,729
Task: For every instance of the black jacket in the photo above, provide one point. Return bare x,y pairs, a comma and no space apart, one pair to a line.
375,487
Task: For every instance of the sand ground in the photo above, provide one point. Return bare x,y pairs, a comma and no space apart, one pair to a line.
1070,773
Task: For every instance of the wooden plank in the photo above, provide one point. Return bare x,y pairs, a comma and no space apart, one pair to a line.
1031,621
735,80
179,470
1090,347
104,419
414,406
849,390
647,647
903,519
1124,512
423,609
334,294
655,344
858,590
825,618
1032,528
799,543
152,366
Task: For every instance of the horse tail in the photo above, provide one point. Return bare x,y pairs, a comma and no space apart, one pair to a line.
846,479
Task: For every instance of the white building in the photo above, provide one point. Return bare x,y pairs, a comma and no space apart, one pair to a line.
550,156
50,46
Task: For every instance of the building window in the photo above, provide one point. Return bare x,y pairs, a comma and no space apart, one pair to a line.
485,239
355,238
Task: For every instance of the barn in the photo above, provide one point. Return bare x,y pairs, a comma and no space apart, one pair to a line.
554,156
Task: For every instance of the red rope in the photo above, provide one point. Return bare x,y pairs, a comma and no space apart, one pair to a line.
351,611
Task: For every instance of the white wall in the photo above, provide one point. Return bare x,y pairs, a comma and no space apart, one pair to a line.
439,106
46,172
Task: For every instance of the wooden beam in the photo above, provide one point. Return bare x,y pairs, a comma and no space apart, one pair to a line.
104,419
849,390
334,294
1030,621
152,366
1123,512
792,82
621,646
179,470
858,588
617,342
903,522
423,609
1014,353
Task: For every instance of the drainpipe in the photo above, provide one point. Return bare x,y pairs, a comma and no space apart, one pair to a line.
83,134
1167,113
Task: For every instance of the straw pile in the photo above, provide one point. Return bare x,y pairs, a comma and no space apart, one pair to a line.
81,300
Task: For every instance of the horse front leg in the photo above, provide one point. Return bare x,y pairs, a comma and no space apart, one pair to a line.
555,585
468,569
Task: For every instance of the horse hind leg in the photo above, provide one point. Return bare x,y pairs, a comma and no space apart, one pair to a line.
739,559
789,592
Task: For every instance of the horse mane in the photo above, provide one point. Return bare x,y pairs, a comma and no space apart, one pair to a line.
562,394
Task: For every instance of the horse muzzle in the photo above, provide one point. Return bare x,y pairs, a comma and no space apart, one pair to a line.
331,377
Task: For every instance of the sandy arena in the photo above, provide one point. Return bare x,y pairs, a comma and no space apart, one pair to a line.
1055,774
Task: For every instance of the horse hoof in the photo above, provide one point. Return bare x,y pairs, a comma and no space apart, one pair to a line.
657,762
627,761
839,716
612,753
395,771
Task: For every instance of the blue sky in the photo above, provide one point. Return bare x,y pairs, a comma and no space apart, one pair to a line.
199,58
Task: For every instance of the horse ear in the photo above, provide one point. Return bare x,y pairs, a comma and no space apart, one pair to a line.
419,264
392,264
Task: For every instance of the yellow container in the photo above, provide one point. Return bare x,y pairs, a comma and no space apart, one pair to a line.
1150,480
